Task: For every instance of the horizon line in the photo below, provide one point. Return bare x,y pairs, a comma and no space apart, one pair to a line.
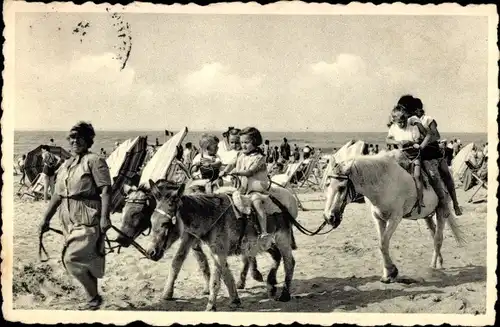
214,130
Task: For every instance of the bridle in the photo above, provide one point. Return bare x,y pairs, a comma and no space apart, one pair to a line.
173,219
350,193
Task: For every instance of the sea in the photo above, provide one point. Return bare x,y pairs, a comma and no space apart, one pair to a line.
25,141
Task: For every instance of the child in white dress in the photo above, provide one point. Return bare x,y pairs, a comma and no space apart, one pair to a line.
250,166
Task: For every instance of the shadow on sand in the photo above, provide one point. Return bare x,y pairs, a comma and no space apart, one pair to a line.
323,294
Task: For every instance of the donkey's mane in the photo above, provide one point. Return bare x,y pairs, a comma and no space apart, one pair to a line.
369,170
201,204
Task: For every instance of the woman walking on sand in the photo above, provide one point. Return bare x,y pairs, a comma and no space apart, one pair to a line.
82,197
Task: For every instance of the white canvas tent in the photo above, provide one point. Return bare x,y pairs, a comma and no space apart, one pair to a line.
161,164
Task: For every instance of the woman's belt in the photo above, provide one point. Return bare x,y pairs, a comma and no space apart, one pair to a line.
82,198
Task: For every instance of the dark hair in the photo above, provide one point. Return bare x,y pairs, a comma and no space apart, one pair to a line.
189,145
407,101
24,156
86,131
266,142
418,104
51,140
45,147
285,140
254,134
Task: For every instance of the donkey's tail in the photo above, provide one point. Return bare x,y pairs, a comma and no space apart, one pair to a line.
293,244
455,230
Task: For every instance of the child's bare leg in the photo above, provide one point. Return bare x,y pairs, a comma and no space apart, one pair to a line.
259,207
418,182
450,185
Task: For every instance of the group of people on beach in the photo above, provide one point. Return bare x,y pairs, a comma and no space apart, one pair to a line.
82,187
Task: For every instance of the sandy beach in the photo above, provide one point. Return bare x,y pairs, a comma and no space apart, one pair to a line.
336,272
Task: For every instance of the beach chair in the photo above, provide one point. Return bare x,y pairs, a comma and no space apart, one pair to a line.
481,183
35,190
284,180
309,176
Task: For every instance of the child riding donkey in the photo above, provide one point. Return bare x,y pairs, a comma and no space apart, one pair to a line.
409,133
207,161
250,165
429,148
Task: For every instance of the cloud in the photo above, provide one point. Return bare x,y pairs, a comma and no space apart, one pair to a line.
103,69
217,78
344,65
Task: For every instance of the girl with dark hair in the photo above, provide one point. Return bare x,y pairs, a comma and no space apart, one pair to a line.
82,198
250,165
430,149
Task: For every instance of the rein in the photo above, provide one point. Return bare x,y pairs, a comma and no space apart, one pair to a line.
111,249
294,222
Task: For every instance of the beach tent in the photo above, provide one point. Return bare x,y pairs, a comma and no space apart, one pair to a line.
458,165
124,165
33,164
162,164
347,151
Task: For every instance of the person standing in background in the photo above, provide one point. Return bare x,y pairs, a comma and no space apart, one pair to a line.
285,149
21,162
52,143
188,155
268,151
296,153
50,163
276,154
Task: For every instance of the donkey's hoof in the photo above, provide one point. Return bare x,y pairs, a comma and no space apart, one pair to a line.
271,291
236,303
386,280
257,276
240,285
211,308
394,273
285,296
167,296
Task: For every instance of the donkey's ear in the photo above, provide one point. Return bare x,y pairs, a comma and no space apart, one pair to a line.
126,189
180,190
154,189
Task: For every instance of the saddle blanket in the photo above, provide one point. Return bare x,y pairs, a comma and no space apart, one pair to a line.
243,202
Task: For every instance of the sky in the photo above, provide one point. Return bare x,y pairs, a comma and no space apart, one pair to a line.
277,73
